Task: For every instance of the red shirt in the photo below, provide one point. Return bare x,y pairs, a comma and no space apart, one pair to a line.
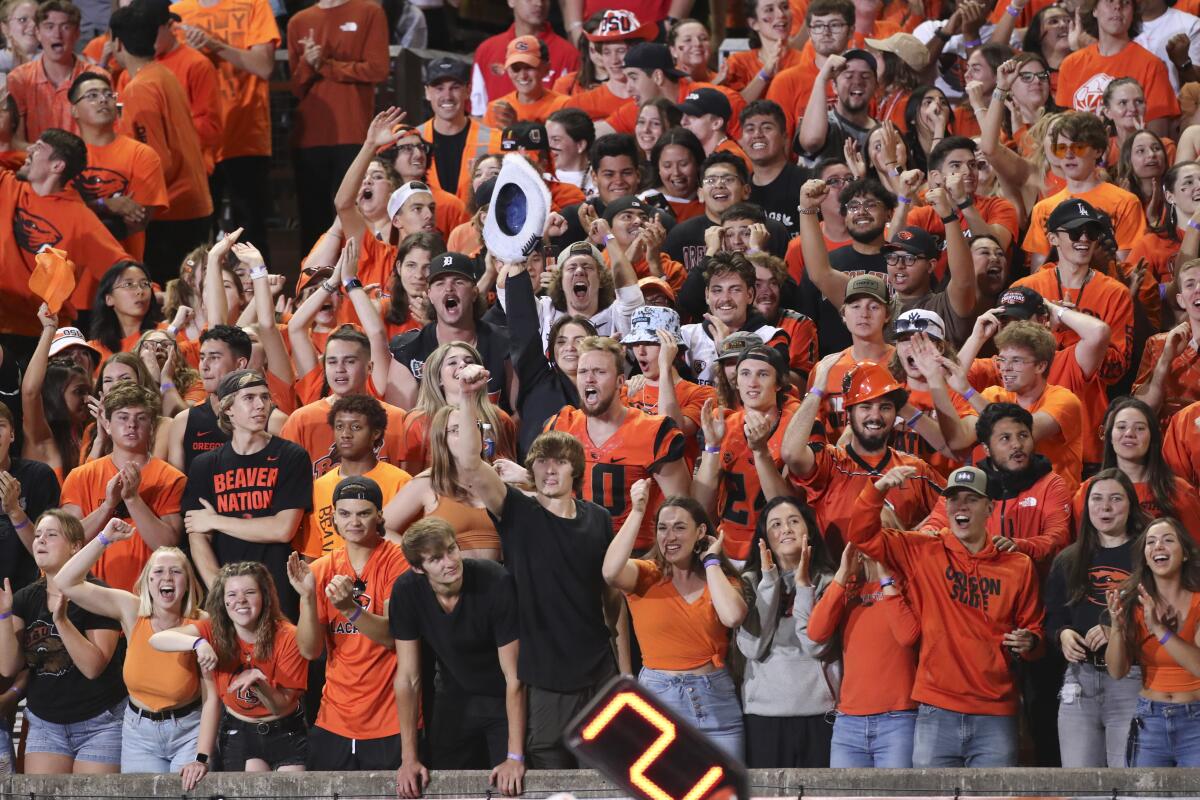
492,81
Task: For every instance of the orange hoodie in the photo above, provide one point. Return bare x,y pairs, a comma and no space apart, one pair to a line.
966,603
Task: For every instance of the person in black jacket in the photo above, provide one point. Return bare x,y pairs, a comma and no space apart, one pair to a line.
546,378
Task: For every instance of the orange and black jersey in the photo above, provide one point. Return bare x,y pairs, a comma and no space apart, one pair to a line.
642,445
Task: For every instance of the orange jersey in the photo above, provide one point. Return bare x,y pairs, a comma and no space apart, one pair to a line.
156,112
742,68
690,396
128,168
739,495
1065,448
802,340
1085,74
1182,384
1181,443
795,255
537,111
318,536
42,104
161,489
308,426
243,24
357,701
840,474
285,669
600,102
1128,218
1183,494
906,440
1159,251
640,447
684,209
563,195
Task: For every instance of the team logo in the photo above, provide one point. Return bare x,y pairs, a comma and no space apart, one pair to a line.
904,236
1090,96
618,22
417,368
45,651
33,232
963,476
96,182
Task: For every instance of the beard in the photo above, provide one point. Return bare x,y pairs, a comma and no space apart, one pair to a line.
867,236
870,441
602,406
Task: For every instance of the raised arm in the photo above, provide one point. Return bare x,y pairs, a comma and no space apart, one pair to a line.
797,455
812,244
814,126
618,569
39,441
345,202
103,600
1152,392
961,290
958,432
310,639
707,480
279,363
216,309
12,659
1094,336
479,476
368,315
304,353
1008,165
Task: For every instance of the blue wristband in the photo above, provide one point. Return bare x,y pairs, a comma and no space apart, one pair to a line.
1166,637
355,614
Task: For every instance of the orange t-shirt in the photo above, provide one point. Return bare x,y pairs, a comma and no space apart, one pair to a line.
791,88
537,111
802,340
1160,671
600,102
624,118
675,634
685,209
245,97
1085,74
308,426
162,490
40,103
1181,443
158,680
690,396
1159,250
129,168
1128,219
995,210
1182,386
1065,448
357,701
448,213
416,439
318,536
742,68
286,669
157,113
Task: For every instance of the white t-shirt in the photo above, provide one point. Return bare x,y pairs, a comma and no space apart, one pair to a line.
611,321
1157,32
702,350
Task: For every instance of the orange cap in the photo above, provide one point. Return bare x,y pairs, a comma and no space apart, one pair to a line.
867,381
526,50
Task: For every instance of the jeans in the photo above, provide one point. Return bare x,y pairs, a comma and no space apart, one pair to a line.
1094,712
97,739
709,702
163,746
875,740
7,758
1165,735
953,739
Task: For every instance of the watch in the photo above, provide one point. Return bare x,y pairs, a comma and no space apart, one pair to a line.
949,218
965,204
202,758
353,283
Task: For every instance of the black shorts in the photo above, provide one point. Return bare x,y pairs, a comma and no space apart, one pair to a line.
329,752
467,731
280,743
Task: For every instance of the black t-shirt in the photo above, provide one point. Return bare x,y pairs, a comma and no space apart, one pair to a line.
557,564
1110,566
685,242
201,434
447,157
466,639
39,491
253,486
780,197
840,129
58,692
832,335
412,349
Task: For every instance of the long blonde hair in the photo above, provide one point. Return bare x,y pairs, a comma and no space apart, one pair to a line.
193,601
443,470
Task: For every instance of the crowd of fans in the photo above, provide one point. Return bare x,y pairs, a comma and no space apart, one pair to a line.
850,397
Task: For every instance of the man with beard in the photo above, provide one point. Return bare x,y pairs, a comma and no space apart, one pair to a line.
455,300
621,444
866,206
830,24
823,130
830,477
409,156
729,282
457,139
775,182
771,277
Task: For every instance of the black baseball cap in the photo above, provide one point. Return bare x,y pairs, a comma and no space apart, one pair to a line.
1073,213
483,195
239,379
1021,302
914,240
706,101
648,56
453,263
159,11
445,68
628,202
358,487
526,135
861,55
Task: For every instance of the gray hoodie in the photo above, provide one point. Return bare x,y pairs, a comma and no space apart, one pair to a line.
787,674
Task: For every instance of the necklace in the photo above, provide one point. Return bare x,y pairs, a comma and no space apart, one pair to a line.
1062,293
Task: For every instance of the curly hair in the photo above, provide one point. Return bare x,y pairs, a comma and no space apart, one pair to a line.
363,405
604,298
1031,336
1143,577
225,637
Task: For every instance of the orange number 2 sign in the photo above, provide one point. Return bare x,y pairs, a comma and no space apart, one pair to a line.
666,728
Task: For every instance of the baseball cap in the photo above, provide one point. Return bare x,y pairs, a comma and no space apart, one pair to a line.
451,263
584,248
971,479
649,56
870,284
920,320
867,381
627,202
1071,214
651,283
311,275
619,25
914,240
908,47
763,352
862,55
358,487
736,343
159,11
526,50
706,101
440,69
401,195
70,337
648,320
525,136
239,379
1021,302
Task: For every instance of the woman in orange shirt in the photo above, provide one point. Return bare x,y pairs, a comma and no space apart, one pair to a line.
54,404
171,721
750,71
125,306
1155,619
675,161
691,47
250,649
684,597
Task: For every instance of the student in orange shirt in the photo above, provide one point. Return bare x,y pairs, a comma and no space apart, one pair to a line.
409,157
771,275
155,109
979,606
123,183
148,490
1181,443
830,24
751,72
344,599
527,61
126,307
251,650
1168,378
684,597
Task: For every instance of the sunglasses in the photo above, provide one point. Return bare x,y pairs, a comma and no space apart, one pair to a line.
1093,233
1077,149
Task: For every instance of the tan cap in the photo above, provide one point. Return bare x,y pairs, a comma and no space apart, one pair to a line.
906,46
972,479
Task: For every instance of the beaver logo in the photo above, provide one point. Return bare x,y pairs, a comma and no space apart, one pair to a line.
1090,96
96,182
33,232
1103,579
45,651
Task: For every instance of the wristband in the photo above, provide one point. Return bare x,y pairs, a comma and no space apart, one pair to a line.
1013,11
329,286
999,95
972,43
903,200
714,450
946,220
196,643
517,757
165,387
608,237
712,561
257,272
172,331
763,76
969,393
893,170
886,582
104,540
913,419
355,614
352,284
5,616
809,212
818,392
21,526
965,204
1191,223
941,34
14,689
1166,637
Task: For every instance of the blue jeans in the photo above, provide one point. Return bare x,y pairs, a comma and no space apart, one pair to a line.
709,702
1094,712
952,739
1165,735
164,746
7,759
875,740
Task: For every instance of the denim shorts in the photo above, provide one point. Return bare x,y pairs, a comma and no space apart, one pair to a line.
97,740
280,743
166,745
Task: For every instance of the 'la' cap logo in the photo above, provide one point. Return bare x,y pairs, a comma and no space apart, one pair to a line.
1083,212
